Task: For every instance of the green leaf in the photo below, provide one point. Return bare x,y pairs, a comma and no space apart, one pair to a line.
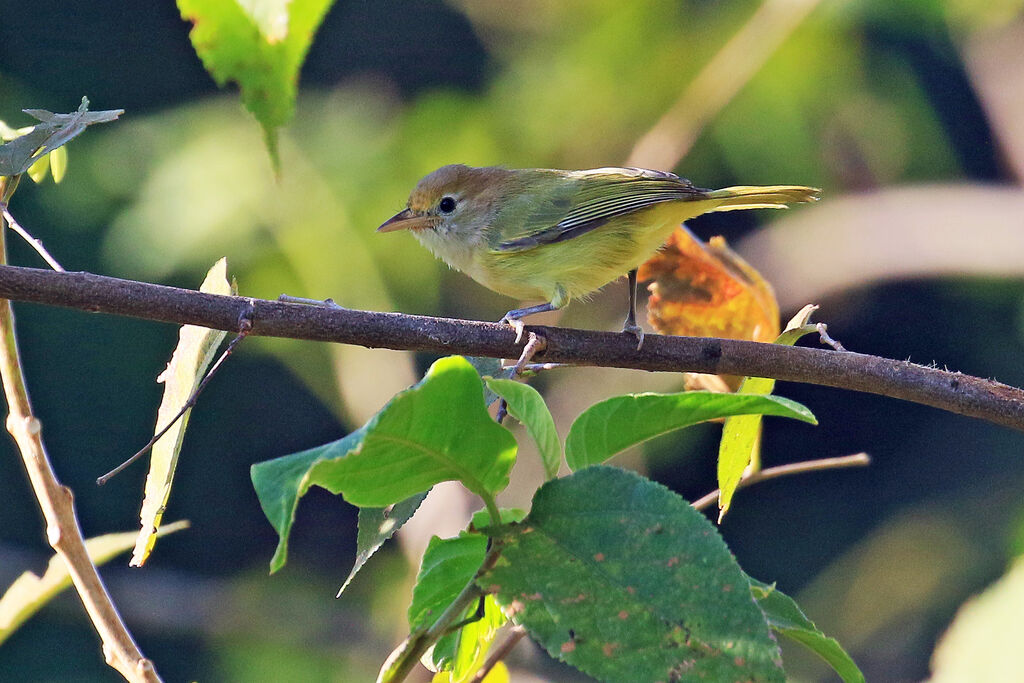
438,430
59,163
482,518
621,578
30,592
489,367
37,171
786,617
464,651
741,435
260,45
613,425
53,131
193,354
526,405
983,642
377,525
447,567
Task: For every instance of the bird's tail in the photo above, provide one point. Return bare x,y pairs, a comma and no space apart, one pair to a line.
763,197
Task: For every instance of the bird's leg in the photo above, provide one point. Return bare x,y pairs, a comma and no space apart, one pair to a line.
630,324
515,317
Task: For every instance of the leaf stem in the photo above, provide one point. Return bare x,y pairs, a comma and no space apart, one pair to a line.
57,501
492,509
402,660
855,460
499,653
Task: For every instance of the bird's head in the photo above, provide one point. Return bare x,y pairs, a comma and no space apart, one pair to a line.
454,201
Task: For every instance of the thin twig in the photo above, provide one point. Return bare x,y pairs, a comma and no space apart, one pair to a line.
826,339
36,244
57,503
855,460
244,328
951,391
539,367
534,345
499,653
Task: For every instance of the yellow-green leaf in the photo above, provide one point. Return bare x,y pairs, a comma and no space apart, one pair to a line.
30,592
741,434
260,45
195,350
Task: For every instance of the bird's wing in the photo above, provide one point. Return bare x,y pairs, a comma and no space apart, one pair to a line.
581,201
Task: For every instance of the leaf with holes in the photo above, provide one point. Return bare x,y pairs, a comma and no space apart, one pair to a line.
621,578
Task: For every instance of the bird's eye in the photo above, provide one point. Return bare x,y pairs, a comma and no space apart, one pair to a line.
447,204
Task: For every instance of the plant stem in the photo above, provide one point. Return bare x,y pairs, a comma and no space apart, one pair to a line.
499,653
855,460
951,391
492,509
405,656
57,502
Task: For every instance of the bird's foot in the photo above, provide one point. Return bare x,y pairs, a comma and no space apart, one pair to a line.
635,330
517,324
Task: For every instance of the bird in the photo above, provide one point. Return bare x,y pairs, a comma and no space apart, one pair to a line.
557,235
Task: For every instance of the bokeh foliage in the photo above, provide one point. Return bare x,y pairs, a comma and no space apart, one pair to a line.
864,97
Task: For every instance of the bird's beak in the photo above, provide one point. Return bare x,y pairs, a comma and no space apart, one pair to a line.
406,220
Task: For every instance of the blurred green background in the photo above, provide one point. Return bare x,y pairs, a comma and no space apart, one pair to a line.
908,114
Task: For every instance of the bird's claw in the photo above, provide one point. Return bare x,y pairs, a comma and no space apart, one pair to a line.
517,324
636,331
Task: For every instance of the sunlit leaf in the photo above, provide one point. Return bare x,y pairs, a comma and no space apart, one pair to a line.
786,617
741,435
30,592
193,354
621,578
448,565
498,674
260,45
437,430
377,525
707,290
526,405
58,163
613,425
983,642
482,518
37,171
462,652
53,131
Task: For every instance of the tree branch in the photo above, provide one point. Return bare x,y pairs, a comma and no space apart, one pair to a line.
951,391
57,503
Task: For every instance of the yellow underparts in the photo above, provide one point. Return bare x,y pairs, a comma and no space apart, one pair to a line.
571,269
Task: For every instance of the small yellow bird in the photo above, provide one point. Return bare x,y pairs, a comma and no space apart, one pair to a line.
559,235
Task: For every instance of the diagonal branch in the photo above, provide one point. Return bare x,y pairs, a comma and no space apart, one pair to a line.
951,391
57,503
